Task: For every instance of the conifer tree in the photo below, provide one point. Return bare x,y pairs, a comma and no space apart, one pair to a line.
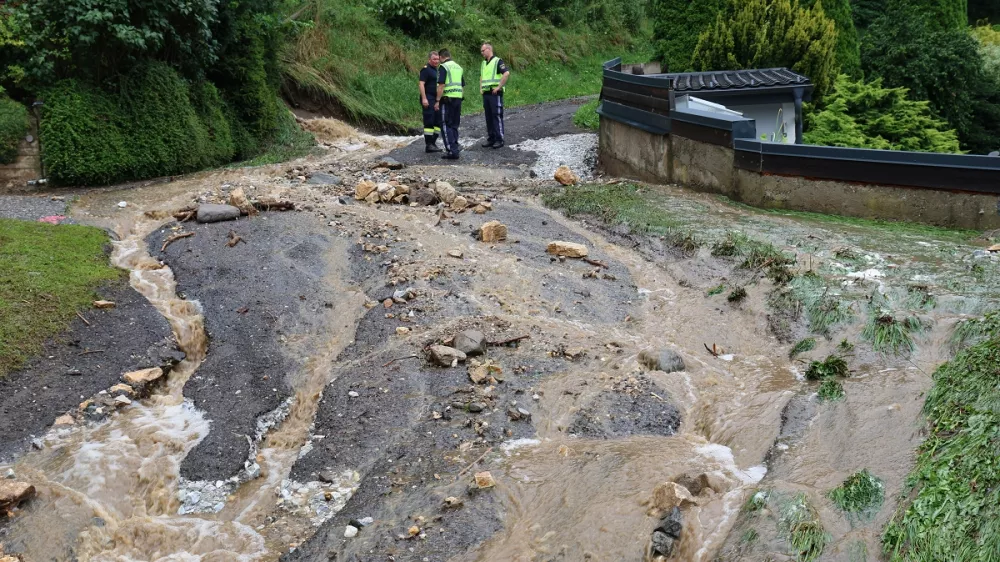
676,25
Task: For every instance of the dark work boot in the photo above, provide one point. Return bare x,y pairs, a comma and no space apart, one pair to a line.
487,144
432,148
498,144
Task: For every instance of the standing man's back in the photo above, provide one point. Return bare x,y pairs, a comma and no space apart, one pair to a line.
450,83
493,75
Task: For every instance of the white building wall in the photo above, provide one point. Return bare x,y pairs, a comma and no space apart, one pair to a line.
766,117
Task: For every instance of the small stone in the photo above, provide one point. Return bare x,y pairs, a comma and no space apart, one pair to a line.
470,342
366,521
568,249
423,197
666,360
672,524
476,407
445,356
121,388
460,203
104,304
387,303
566,176
122,204
385,192
320,178
64,419
662,544
13,493
353,394
211,212
493,231
328,477
485,480
669,495
455,253
350,532
414,531
451,502
445,192
363,189
390,163
238,199
402,330
479,209
372,198
122,400
74,372
143,376
38,444
9,475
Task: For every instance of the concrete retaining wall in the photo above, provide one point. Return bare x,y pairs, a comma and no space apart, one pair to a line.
27,166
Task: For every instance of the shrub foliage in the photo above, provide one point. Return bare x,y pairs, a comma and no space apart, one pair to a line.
13,126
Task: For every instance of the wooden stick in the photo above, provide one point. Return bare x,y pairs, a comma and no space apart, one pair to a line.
82,318
89,351
466,469
274,205
511,340
174,238
597,263
391,361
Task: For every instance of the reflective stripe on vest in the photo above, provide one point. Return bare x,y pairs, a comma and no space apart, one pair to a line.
453,80
488,78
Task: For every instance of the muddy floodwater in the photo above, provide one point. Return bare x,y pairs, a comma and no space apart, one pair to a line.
352,445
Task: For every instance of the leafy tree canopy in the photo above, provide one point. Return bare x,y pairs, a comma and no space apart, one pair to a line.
676,25
848,49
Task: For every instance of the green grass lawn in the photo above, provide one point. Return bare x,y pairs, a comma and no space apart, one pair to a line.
47,274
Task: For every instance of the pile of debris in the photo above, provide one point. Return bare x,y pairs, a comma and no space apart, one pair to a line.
395,192
238,205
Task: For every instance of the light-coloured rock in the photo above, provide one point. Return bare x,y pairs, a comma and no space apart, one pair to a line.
414,531
13,492
238,199
402,330
211,212
460,203
483,372
385,192
479,209
445,356
402,189
485,480
144,376
104,304
568,249
363,189
666,360
669,495
122,400
493,231
121,388
350,532
64,419
455,253
445,192
566,176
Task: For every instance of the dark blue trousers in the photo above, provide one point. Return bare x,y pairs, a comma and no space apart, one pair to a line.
493,106
451,116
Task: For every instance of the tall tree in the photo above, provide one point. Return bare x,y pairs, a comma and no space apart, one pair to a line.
848,49
988,10
943,14
771,33
865,12
676,25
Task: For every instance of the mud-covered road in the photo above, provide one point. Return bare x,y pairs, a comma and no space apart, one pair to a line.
315,417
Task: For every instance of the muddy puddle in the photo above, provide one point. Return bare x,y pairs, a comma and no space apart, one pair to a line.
743,419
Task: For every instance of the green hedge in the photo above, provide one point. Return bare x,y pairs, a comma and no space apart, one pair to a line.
155,124
14,125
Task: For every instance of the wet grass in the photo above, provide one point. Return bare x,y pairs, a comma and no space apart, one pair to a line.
756,502
860,496
586,117
845,346
737,295
802,346
750,536
618,204
830,390
717,290
800,525
47,274
973,331
831,367
858,552
889,334
955,509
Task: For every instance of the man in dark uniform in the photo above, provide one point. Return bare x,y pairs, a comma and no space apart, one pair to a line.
450,84
493,75
428,99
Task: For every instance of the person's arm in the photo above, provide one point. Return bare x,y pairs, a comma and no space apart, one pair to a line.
502,67
423,94
442,76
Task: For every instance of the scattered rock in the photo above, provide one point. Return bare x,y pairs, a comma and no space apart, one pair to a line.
238,199
480,209
353,394
666,360
568,249
445,192
451,502
476,407
321,178
424,197
385,192
350,532
456,253
485,480
9,475
65,419
390,163
372,197
994,248
460,203
669,495
363,189
493,231
667,533
122,400
211,212
121,388
143,377
402,330
662,544
517,414
483,372
566,176
13,493
445,356
470,342
414,531
104,304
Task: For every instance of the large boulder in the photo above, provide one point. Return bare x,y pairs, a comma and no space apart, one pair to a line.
470,342
13,493
493,231
666,360
568,249
363,189
445,192
211,212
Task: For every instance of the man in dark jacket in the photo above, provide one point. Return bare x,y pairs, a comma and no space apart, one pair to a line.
428,99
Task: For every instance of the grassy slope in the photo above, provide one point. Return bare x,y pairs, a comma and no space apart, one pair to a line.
372,71
47,273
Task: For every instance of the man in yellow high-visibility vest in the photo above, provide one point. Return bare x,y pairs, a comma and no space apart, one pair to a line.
450,84
493,75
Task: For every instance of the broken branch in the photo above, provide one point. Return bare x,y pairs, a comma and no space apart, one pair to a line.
269,205
597,263
505,342
89,351
481,457
82,318
174,238
391,361
234,239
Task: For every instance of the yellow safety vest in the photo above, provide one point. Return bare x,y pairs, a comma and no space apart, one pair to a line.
488,77
453,81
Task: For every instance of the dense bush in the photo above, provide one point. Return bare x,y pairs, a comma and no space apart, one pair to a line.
867,115
771,33
988,10
155,124
676,25
416,17
865,12
943,66
848,49
14,125
942,14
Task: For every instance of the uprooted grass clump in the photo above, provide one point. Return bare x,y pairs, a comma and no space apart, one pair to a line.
831,367
955,511
830,390
802,346
737,295
800,526
756,255
889,334
861,495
